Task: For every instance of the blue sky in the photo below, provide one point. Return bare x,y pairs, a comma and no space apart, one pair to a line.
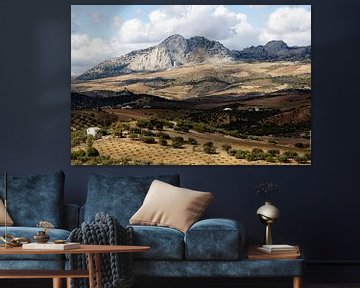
100,32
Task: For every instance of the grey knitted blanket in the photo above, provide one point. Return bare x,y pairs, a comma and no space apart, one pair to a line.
116,268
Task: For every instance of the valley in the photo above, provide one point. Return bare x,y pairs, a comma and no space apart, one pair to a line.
211,110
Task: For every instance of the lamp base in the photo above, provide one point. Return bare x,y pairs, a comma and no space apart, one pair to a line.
268,237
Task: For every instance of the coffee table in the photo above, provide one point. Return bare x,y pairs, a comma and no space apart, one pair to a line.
94,267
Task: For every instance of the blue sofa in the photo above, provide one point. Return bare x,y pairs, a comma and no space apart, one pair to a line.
32,199
210,248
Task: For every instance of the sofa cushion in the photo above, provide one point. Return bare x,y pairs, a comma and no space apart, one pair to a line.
35,198
170,206
39,264
29,232
214,239
165,243
9,221
119,196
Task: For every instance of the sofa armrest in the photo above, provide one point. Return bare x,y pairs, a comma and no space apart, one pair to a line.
215,239
71,216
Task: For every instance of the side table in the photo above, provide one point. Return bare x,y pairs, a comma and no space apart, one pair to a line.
255,255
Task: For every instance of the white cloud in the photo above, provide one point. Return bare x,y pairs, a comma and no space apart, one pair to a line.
213,22
292,25
87,52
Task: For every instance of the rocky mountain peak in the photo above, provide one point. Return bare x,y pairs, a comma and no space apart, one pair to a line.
173,39
177,51
275,45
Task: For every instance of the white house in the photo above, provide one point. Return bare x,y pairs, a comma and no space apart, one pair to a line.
227,109
92,131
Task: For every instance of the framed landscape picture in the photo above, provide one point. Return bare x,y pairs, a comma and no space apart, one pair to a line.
191,85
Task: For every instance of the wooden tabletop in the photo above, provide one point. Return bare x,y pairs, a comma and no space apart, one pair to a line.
254,254
92,249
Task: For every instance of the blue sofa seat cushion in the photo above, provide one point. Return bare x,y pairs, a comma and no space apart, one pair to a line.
35,198
29,232
214,239
119,196
166,243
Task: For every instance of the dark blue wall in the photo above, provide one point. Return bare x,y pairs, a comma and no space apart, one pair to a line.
318,203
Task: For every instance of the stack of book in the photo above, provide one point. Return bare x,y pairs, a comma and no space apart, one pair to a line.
279,249
274,252
51,246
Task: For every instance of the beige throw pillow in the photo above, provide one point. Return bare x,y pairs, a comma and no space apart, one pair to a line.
10,222
170,206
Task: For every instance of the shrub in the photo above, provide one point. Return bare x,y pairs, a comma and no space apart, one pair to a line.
192,141
209,148
134,130
232,152
78,154
147,133
201,127
299,145
226,147
182,126
92,152
301,159
241,154
273,152
283,159
270,158
290,154
148,139
78,137
89,142
307,156
257,150
142,123
177,142
163,135
163,142
250,157
133,136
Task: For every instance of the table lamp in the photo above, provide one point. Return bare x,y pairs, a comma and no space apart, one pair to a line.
268,214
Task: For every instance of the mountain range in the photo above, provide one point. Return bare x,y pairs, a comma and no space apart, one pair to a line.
176,51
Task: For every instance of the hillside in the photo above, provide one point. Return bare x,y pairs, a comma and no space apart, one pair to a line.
205,80
176,51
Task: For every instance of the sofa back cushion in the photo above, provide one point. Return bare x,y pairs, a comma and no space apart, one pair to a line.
120,196
35,198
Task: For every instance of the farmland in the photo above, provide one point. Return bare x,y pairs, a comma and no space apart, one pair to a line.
262,111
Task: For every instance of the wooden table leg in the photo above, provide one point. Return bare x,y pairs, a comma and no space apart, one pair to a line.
91,270
57,283
297,282
68,282
98,270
